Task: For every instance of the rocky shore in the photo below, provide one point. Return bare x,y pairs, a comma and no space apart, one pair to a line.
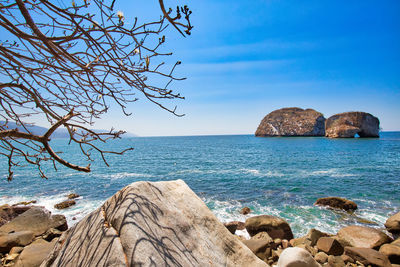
166,224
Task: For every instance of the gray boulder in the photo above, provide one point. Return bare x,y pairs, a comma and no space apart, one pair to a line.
36,219
34,254
151,224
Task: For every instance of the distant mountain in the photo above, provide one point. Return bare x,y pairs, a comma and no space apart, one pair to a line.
59,133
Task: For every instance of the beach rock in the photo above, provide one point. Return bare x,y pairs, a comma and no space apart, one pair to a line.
292,122
336,203
7,212
321,257
296,257
263,236
361,236
348,124
151,224
335,261
72,196
25,203
36,219
392,252
274,226
34,254
367,256
245,211
330,246
65,204
258,247
393,224
231,226
9,240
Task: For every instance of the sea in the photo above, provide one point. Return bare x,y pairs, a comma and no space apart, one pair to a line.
281,176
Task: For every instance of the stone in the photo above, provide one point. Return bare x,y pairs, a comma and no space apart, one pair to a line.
348,124
285,243
151,224
51,234
321,257
231,226
337,203
16,250
362,236
335,261
34,254
309,248
263,236
25,203
36,219
9,240
392,252
65,204
7,212
245,211
72,196
296,257
367,256
347,258
330,246
314,235
292,122
275,227
393,223
258,247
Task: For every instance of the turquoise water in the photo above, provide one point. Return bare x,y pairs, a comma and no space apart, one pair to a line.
278,176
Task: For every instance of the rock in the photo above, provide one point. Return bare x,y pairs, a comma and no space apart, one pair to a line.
321,257
335,261
314,235
296,257
36,219
16,250
274,226
65,204
9,240
347,259
25,203
245,211
330,246
7,212
263,236
336,203
348,124
309,248
231,226
392,252
361,236
151,224
393,224
51,234
258,247
367,256
292,122
72,196
285,244
34,254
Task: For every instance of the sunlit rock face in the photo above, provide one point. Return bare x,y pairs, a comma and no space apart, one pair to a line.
348,124
292,122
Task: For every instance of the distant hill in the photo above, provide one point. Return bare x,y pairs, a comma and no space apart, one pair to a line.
59,133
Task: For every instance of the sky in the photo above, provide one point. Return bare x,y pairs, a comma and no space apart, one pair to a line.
245,59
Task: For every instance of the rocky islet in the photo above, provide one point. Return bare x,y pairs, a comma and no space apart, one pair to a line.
309,122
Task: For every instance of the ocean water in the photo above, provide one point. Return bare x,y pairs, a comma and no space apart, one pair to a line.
277,176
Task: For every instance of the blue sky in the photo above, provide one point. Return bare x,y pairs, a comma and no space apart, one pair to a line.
245,59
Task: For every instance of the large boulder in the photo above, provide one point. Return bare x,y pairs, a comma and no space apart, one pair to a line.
393,223
151,224
337,203
34,254
36,219
330,246
361,236
348,124
392,251
14,239
368,256
292,122
296,257
275,227
7,212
